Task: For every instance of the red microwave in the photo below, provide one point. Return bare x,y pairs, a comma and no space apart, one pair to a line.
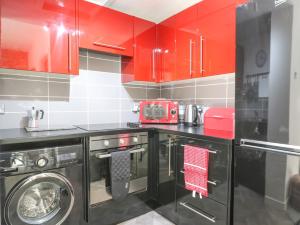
159,111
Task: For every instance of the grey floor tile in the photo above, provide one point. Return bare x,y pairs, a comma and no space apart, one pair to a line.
151,218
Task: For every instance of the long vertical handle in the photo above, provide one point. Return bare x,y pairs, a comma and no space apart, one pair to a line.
191,57
153,65
70,52
170,148
201,54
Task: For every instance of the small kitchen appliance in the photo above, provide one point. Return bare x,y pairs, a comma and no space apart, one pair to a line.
34,116
192,115
159,112
181,113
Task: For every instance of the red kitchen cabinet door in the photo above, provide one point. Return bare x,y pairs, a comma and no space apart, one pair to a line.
166,52
142,66
39,35
104,29
187,33
217,42
207,7
145,53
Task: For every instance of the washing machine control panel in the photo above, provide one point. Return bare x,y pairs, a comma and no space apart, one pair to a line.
40,159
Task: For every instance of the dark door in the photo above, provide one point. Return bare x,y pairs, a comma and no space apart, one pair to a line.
267,186
166,178
267,76
45,198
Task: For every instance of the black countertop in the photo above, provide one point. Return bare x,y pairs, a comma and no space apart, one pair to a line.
17,136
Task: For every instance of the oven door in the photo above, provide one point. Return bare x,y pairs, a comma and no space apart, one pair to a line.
100,180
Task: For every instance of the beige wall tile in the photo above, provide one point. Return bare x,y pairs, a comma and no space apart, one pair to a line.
211,91
23,87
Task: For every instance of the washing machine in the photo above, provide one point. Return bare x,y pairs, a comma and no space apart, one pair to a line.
42,186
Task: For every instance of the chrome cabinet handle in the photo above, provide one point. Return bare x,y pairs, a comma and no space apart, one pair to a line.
103,156
210,218
210,151
270,144
271,150
191,58
153,64
108,46
70,52
170,148
201,55
210,182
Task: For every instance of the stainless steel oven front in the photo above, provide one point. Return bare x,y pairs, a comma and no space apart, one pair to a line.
100,148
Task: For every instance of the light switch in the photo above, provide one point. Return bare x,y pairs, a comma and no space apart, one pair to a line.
2,108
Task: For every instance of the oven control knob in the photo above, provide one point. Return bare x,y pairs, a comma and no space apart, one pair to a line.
173,111
106,143
41,162
135,140
122,141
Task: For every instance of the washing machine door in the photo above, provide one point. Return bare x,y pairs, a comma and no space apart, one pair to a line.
45,198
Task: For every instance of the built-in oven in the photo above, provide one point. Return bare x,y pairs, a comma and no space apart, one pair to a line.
100,149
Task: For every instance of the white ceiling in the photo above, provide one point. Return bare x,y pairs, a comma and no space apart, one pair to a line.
153,10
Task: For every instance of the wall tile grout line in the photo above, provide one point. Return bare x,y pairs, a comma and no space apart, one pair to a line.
92,98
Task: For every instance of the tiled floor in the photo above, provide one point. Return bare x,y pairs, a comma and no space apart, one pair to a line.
151,218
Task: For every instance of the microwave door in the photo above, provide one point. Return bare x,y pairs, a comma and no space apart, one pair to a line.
266,184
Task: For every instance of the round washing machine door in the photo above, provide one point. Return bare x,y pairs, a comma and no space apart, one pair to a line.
45,198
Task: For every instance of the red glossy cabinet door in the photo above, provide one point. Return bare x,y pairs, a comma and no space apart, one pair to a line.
166,52
142,66
207,7
104,29
187,44
145,50
39,35
217,42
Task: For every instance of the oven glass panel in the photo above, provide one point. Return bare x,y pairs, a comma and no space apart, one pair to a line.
100,179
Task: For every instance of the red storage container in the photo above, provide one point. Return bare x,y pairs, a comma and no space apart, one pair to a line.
220,122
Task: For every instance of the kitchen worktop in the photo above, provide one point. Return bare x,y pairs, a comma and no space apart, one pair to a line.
16,136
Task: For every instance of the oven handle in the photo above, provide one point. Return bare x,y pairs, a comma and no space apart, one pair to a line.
103,156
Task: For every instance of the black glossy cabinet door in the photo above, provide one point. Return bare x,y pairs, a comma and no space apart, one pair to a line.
198,211
166,175
218,171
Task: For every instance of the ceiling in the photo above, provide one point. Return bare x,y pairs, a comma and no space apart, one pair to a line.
153,10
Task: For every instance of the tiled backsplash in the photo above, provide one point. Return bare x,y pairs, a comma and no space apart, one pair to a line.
97,95
216,91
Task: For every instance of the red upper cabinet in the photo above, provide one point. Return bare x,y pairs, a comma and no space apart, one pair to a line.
166,51
145,50
39,35
207,7
104,29
187,44
142,66
217,42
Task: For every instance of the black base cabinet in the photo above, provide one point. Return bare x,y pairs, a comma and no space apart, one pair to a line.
166,176
195,211
178,204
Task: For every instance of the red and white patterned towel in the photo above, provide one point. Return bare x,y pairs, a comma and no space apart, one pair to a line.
196,169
